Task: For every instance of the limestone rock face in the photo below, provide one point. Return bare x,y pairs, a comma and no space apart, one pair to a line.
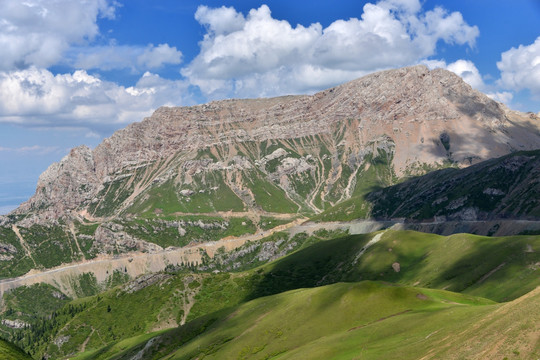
64,185
416,115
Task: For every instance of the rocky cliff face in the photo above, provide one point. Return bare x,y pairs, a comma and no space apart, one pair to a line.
413,115
64,185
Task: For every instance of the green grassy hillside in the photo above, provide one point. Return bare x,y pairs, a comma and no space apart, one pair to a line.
257,329
11,352
500,269
366,320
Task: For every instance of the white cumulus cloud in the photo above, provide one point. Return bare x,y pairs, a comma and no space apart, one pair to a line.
37,32
220,21
38,97
45,33
469,72
258,55
505,97
520,68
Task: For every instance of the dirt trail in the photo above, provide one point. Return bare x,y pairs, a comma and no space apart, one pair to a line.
135,264
83,346
240,214
485,277
23,244
189,301
74,234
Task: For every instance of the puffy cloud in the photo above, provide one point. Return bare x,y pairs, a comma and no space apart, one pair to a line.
155,57
262,44
259,55
113,57
37,97
220,21
463,68
36,32
437,25
406,6
520,68
45,33
469,72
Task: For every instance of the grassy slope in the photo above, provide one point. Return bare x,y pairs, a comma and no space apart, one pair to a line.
160,304
458,263
49,246
11,352
503,331
366,320
20,263
215,196
257,330
158,232
23,300
118,314
375,173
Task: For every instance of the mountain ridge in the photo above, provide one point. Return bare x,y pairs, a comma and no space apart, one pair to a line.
234,168
415,115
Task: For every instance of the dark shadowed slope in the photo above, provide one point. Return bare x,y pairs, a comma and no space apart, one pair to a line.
503,188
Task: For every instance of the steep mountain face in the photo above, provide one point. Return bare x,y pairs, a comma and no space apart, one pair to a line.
503,188
308,151
237,167
182,189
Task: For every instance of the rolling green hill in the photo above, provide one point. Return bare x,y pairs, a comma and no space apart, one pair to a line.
498,269
366,320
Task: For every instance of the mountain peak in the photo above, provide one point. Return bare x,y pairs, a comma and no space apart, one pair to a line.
415,116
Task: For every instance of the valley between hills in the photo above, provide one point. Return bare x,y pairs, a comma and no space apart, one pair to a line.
394,216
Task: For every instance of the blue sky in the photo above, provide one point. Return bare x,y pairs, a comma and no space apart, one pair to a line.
72,72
